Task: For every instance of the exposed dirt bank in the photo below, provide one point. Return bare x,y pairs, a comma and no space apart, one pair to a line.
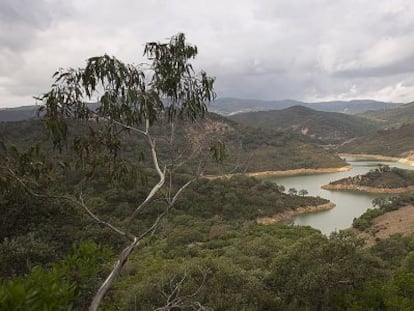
399,221
368,189
289,214
300,171
407,161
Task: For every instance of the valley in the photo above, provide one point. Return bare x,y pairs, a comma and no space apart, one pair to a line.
262,161
232,228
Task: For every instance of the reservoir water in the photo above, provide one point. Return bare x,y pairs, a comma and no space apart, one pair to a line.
349,204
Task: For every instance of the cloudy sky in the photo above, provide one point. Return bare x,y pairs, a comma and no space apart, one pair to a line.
308,50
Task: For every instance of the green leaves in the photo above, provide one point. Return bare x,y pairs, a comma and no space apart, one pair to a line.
124,97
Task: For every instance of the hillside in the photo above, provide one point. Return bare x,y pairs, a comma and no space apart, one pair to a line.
248,149
257,150
208,251
327,127
381,180
397,142
229,106
396,117
18,114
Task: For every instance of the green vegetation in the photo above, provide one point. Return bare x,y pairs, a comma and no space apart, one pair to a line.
257,150
208,252
394,118
388,142
383,177
269,268
64,285
326,127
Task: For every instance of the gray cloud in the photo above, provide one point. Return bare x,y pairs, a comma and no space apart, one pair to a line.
309,50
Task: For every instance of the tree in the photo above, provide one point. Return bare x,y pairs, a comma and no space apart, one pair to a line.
292,191
303,192
145,101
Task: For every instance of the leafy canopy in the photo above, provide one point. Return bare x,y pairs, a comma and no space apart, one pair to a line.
128,95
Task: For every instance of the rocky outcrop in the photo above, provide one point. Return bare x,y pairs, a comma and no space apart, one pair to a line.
367,189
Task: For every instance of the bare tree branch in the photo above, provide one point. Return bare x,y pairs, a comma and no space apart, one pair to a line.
68,198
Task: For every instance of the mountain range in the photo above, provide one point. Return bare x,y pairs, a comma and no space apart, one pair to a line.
229,106
325,127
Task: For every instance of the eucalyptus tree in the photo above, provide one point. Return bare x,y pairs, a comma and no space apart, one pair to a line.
110,99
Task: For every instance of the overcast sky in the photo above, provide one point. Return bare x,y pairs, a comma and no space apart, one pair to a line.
309,50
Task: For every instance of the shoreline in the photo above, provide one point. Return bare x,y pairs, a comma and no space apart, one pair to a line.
299,171
277,218
369,189
407,161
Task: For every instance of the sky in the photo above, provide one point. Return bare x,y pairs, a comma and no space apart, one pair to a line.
310,50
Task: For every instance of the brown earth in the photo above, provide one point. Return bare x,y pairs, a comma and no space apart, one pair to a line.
399,221
300,171
408,159
289,214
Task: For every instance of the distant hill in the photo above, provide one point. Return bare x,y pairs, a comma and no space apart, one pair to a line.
393,117
327,127
229,106
397,142
18,114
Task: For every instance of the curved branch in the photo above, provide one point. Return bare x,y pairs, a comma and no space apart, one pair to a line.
70,199
157,186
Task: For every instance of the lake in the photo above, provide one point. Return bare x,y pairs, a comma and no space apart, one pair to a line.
349,204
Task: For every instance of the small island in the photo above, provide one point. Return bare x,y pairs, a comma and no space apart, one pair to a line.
380,180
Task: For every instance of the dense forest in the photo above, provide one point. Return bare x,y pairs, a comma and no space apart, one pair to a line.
208,252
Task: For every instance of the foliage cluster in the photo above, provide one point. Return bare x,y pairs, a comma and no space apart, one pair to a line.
269,268
64,285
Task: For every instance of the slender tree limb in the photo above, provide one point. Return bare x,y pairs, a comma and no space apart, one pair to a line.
70,199
123,258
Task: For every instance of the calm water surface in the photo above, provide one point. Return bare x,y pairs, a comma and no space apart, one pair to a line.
349,204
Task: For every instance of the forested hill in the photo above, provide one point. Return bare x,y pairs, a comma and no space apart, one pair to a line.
248,149
397,142
254,150
396,117
327,127
18,114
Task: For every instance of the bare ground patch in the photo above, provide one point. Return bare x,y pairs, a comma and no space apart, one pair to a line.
399,221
